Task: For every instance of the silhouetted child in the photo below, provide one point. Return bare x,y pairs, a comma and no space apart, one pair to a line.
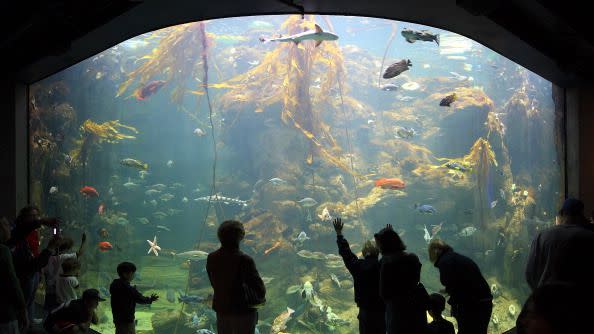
439,325
124,298
67,282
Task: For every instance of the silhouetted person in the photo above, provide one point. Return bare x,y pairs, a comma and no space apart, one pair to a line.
76,316
124,298
404,295
227,267
470,296
67,283
557,308
24,244
13,311
564,252
439,325
366,278
53,270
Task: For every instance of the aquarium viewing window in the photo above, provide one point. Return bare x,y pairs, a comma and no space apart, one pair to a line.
284,123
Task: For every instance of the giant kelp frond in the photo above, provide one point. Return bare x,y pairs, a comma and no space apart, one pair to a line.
481,153
494,124
175,59
108,131
303,79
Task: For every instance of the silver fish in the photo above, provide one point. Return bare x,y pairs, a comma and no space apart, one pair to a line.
307,202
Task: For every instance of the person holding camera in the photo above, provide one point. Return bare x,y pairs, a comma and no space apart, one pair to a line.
24,245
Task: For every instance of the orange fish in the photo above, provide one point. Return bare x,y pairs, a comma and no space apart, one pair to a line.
89,191
101,209
105,246
148,90
275,246
393,183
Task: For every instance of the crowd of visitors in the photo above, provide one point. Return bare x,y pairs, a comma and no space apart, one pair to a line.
388,290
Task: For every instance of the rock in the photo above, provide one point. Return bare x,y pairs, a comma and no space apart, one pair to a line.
165,322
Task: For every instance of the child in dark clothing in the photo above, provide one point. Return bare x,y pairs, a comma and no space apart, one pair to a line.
439,325
124,298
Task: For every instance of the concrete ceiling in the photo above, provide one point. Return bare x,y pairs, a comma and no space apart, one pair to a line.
550,38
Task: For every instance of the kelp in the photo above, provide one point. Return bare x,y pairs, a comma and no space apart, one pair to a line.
94,133
301,78
176,57
108,131
481,157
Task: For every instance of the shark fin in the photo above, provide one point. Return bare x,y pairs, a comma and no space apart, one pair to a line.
318,43
319,29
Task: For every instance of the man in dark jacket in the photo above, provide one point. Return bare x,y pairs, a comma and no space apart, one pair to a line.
366,278
563,253
227,267
124,298
404,295
470,295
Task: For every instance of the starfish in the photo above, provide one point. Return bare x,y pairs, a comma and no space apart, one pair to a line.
154,247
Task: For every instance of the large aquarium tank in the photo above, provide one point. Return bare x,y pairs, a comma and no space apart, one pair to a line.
284,123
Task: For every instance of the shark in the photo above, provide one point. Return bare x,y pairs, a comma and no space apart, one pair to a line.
316,34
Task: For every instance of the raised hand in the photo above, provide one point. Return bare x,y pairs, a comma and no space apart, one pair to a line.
338,225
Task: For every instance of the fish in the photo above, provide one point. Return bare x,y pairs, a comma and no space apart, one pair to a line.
143,220
467,231
170,163
204,331
166,197
468,212
403,98
129,162
222,199
435,229
152,192
277,181
185,200
153,202
397,68
149,89
280,322
105,246
267,280
154,247
273,247
410,86
142,174
307,202
103,232
164,228
88,192
191,255
301,237
425,208
191,299
122,221
390,87
448,100
412,36
316,34
325,215
159,186
493,204
502,194
170,295
130,184
335,280
104,293
391,183
460,77
426,235
457,166
199,132
405,132
101,209
53,190
159,215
